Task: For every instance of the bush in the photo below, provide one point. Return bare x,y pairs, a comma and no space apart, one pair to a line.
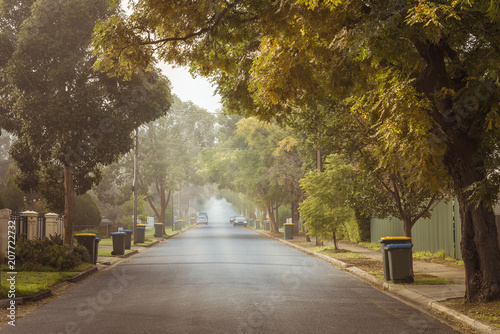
97,232
48,255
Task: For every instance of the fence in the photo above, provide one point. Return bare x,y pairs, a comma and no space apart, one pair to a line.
440,232
21,224
40,225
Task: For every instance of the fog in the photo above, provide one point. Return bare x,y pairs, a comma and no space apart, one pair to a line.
218,210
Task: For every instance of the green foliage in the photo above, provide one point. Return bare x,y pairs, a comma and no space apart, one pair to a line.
260,161
48,255
128,210
169,149
325,208
87,212
97,232
84,118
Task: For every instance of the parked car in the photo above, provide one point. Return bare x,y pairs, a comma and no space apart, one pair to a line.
240,221
202,219
231,219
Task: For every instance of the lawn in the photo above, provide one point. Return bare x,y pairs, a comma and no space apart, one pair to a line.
31,282
149,237
107,251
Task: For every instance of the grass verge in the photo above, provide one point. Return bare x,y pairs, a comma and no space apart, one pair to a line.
107,251
486,312
28,283
149,235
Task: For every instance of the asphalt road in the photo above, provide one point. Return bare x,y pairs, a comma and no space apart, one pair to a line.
224,279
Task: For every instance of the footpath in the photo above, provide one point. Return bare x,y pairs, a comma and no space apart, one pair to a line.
426,297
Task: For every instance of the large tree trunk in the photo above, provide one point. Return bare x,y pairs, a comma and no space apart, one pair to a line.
479,244
273,224
69,205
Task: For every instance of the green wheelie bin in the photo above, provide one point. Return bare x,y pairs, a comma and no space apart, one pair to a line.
400,262
88,241
118,243
158,230
288,230
385,255
141,233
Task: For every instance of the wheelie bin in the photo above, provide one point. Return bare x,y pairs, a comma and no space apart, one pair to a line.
141,233
128,239
158,230
96,249
385,255
288,229
118,243
88,241
400,262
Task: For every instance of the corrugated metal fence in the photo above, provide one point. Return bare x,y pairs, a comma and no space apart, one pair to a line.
441,232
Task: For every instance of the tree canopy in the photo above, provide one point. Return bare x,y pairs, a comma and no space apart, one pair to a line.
424,73
69,120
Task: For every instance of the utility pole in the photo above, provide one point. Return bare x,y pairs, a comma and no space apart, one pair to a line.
136,158
172,210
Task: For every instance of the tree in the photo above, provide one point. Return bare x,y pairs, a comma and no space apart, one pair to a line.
168,150
128,210
70,120
325,208
250,162
426,71
86,211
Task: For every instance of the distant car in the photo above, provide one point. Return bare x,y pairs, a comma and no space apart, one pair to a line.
203,214
202,220
240,221
231,219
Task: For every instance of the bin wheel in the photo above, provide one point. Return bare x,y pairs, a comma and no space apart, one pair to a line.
409,279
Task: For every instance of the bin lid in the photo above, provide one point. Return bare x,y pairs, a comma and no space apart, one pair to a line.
395,238
158,223
391,246
388,240
85,235
127,231
141,225
289,224
117,233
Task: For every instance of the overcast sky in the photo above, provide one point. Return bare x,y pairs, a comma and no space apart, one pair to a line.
198,90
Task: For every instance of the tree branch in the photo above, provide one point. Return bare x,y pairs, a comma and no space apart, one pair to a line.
216,20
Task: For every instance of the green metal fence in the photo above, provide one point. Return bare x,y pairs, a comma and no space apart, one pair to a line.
440,232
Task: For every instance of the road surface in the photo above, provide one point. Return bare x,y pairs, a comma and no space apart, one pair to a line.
224,279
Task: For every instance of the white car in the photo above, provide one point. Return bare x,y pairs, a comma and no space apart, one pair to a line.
202,220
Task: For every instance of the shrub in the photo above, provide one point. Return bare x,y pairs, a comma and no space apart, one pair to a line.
97,232
48,254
